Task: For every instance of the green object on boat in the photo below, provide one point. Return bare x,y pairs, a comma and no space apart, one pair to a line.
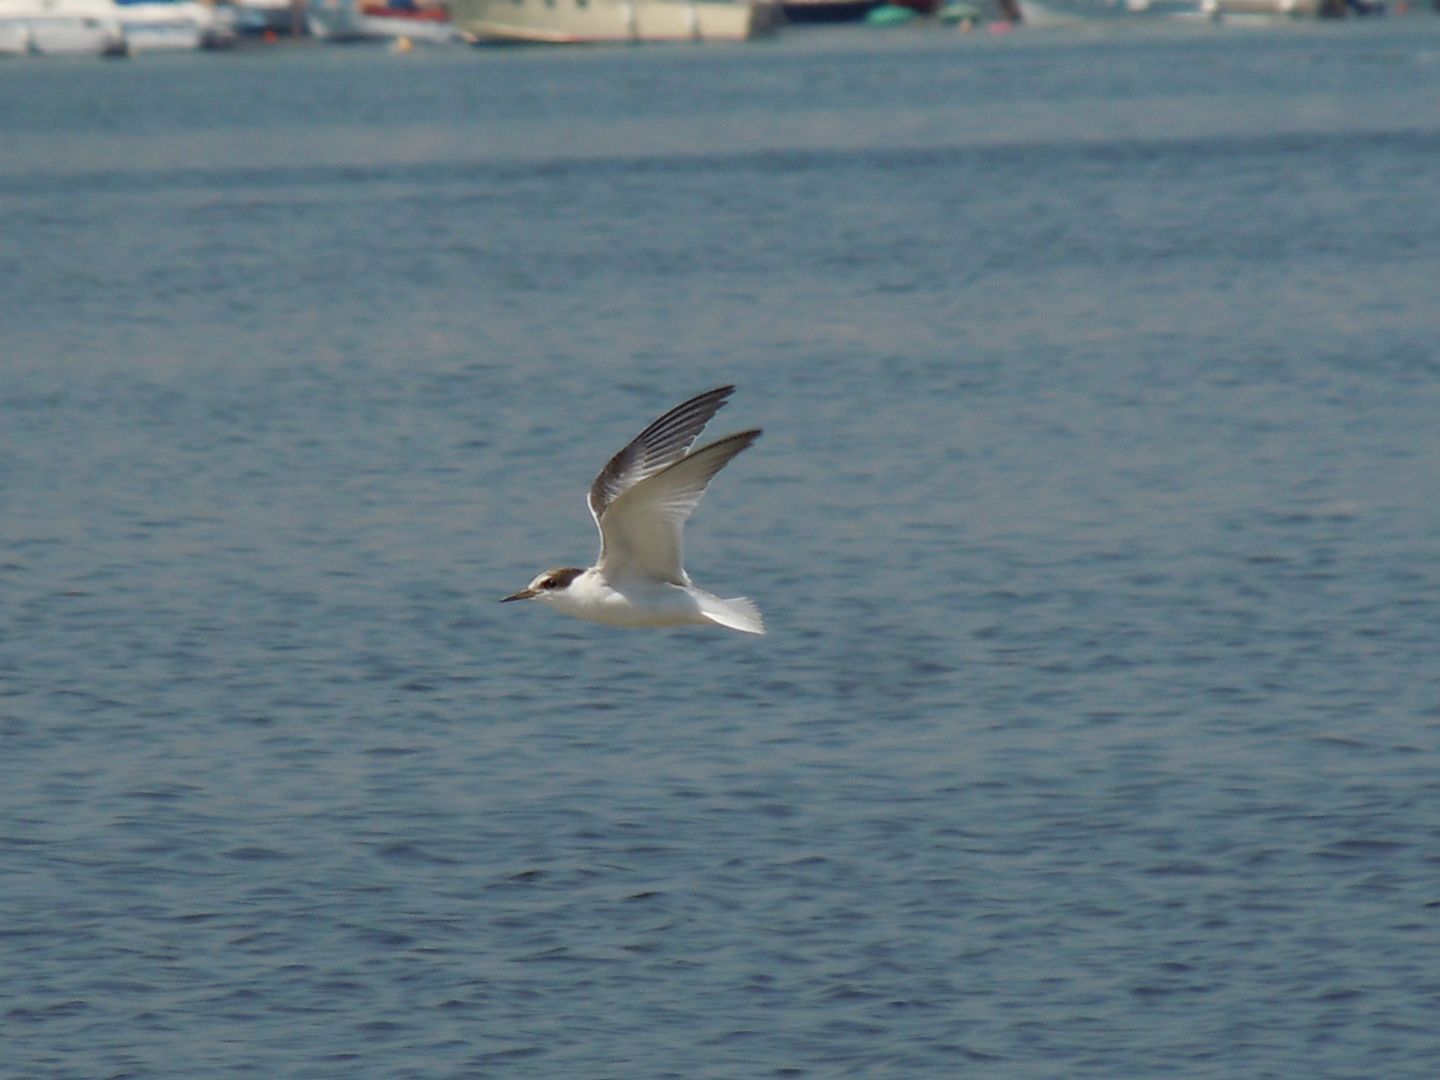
958,11
890,15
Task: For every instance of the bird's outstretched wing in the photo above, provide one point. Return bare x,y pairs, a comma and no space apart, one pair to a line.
660,445
641,528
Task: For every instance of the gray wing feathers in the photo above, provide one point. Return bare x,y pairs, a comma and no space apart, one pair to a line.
659,446
642,527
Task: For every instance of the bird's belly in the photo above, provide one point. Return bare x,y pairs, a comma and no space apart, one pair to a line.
668,606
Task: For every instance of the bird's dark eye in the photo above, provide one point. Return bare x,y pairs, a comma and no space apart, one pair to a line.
548,583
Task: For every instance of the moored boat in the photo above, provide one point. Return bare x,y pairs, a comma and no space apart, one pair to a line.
1040,13
827,11
1269,11
595,21
156,25
269,18
61,28
363,20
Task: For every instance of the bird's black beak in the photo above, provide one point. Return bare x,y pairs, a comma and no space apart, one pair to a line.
523,594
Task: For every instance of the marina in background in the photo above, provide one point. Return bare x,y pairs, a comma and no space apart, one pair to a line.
117,28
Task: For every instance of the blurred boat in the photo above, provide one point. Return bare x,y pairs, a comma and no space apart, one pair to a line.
1060,12
1272,11
827,11
270,18
594,21
875,12
359,20
60,28
156,25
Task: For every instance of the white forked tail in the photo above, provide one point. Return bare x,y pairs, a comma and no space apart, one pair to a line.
736,612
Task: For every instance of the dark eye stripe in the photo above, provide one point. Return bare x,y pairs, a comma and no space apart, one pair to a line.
558,579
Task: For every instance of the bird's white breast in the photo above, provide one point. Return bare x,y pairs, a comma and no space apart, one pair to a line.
627,603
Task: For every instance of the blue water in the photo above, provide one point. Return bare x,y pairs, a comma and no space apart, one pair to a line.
1096,524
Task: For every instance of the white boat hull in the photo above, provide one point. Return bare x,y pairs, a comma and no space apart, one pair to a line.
593,21
1039,13
162,25
60,28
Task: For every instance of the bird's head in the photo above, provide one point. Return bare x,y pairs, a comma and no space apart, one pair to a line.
547,586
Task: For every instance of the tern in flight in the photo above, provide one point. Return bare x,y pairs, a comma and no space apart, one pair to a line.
640,502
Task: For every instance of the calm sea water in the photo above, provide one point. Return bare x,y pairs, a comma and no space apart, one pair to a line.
1097,525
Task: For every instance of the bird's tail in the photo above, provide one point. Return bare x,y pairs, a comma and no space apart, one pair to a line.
736,612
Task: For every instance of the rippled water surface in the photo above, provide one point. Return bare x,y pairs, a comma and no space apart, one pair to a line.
1096,522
